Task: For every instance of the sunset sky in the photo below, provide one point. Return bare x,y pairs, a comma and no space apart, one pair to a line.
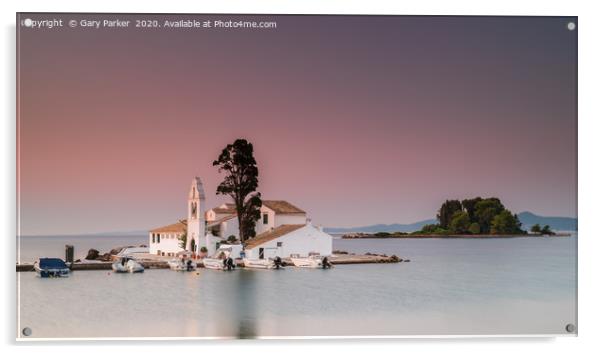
357,120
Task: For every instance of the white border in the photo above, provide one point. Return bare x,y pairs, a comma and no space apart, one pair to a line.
589,171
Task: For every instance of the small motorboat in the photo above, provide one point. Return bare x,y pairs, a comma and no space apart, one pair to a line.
213,263
127,265
259,263
51,268
182,265
219,263
270,263
222,259
314,261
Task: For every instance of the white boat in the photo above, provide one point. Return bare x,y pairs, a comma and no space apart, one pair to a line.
214,263
259,263
315,261
223,259
127,265
183,262
182,265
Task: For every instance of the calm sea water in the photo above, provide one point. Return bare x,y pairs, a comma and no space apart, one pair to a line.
454,286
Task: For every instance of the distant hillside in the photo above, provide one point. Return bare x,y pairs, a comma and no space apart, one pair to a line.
556,222
381,227
528,219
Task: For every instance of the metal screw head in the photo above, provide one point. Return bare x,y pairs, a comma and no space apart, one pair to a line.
26,331
571,26
570,328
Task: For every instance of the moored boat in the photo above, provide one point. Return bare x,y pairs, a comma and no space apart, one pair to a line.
223,258
268,263
315,261
127,265
51,268
259,263
214,263
182,265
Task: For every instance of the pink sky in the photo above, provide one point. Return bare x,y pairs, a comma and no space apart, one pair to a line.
357,120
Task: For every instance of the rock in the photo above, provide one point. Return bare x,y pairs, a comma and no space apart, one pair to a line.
143,246
394,258
105,257
406,260
92,254
114,251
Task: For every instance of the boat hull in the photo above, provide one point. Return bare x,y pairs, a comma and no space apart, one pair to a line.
180,266
216,264
52,273
130,266
307,262
259,263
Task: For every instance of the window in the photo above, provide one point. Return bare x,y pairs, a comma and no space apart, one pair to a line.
265,219
261,253
278,244
193,210
158,238
153,238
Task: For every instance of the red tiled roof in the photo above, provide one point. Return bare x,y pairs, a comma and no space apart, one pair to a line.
220,220
272,235
180,226
282,207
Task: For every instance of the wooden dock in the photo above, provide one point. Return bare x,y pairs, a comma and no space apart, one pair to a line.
162,264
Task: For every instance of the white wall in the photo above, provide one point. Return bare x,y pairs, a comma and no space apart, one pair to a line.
301,241
290,219
275,220
260,227
210,215
169,243
229,227
210,242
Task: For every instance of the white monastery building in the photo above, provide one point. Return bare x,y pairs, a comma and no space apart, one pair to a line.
283,230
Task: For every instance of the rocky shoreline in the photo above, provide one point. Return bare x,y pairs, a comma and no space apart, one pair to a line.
95,255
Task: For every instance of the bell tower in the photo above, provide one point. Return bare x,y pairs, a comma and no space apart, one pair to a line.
196,216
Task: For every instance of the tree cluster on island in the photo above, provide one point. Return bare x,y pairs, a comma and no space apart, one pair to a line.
476,216
545,230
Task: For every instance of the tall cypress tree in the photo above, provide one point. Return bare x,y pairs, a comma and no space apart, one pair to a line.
240,183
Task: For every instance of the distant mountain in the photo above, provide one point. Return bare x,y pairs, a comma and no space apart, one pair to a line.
381,227
528,219
556,222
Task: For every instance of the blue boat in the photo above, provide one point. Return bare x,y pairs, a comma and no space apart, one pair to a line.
51,268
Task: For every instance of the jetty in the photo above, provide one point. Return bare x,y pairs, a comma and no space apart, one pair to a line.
157,263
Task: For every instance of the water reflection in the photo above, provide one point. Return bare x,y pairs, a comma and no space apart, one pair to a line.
246,304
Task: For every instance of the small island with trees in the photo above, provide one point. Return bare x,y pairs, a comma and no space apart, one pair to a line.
470,218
